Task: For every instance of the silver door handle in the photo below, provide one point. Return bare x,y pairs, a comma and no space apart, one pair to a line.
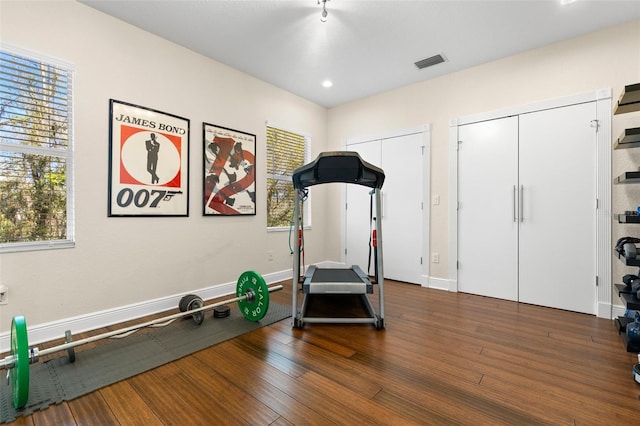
521,203
514,204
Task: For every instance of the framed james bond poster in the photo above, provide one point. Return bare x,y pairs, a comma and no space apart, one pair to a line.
148,162
229,171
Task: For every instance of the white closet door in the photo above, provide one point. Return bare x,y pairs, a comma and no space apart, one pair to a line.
403,194
357,213
402,199
557,233
487,216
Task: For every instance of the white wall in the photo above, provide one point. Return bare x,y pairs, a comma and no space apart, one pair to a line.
122,261
608,58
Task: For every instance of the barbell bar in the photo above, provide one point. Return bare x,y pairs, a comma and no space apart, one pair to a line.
252,297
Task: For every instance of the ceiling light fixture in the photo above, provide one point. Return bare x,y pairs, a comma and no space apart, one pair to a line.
327,83
324,15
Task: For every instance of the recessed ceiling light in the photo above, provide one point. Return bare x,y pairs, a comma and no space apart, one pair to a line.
327,83
563,2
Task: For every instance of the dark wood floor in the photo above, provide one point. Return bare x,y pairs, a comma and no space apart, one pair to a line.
444,358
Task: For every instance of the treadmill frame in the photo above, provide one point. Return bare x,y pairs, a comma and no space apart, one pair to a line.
321,171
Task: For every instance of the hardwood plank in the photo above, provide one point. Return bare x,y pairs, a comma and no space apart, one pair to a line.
344,406
268,384
127,405
281,422
175,401
448,395
54,415
22,421
92,409
328,363
418,412
560,402
265,352
569,375
328,344
237,404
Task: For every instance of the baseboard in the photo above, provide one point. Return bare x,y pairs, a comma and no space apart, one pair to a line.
328,264
604,310
618,311
440,284
46,332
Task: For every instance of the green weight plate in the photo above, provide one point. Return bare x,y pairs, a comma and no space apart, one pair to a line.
20,371
255,307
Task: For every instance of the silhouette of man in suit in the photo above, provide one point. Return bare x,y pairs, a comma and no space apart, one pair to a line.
153,146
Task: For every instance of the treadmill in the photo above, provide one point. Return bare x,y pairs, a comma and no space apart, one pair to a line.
345,167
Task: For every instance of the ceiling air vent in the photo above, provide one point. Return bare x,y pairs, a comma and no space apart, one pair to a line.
434,60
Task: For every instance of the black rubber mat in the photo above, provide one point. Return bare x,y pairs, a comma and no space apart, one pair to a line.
58,380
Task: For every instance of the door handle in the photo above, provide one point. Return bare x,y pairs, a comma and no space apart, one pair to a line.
521,203
514,204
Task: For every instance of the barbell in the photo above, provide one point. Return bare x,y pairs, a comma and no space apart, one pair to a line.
252,296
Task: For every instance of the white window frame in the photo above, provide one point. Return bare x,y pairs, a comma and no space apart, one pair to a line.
67,154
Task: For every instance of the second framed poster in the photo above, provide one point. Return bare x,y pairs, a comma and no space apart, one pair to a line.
229,171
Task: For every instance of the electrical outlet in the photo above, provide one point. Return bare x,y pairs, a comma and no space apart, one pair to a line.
435,257
4,295
269,255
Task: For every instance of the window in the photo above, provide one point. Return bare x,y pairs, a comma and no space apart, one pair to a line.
35,153
286,151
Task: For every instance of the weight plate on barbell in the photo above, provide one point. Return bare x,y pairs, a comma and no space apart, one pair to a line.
184,302
68,338
255,307
20,371
198,317
190,302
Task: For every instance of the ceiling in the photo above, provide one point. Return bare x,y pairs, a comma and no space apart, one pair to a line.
366,46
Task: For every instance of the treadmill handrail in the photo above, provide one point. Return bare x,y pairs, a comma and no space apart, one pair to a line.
338,166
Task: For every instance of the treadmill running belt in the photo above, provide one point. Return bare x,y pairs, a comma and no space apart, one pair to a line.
335,275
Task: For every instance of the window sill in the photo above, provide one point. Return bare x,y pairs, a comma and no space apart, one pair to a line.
286,228
36,245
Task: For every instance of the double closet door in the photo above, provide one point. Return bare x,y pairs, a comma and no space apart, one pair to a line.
403,219
527,208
